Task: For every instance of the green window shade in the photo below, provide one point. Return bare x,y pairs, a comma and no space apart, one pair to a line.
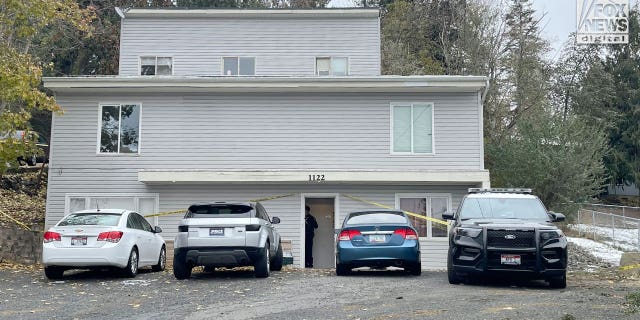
402,129
422,129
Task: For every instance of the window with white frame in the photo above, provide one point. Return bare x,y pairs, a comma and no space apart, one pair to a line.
143,204
119,129
412,128
239,66
156,66
331,66
428,205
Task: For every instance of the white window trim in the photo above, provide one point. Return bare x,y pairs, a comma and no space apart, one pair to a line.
255,63
156,66
433,129
315,65
135,196
428,197
118,154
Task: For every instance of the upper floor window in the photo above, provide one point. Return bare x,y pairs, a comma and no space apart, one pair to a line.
239,66
119,128
331,66
412,128
156,66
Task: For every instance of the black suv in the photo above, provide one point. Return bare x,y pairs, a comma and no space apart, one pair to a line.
506,231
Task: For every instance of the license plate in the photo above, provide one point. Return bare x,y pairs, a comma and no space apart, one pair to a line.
79,241
216,232
510,259
377,238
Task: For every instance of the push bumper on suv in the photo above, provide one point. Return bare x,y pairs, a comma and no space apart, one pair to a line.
219,256
486,253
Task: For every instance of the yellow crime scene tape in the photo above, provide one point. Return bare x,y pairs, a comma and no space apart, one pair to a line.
24,226
442,222
629,267
438,221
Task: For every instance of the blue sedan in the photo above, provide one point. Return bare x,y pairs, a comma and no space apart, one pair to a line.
377,239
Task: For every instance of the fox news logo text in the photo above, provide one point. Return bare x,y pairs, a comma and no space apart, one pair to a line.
602,21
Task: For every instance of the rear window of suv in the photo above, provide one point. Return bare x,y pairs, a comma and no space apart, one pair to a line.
212,210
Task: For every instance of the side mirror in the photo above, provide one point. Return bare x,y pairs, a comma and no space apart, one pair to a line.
157,229
556,217
275,220
447,216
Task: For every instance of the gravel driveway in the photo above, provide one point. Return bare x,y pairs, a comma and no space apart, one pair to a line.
303,294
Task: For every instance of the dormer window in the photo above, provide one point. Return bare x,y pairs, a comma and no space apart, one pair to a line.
156,66
239,66
331,66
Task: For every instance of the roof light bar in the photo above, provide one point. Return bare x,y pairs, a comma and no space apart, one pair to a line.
500,190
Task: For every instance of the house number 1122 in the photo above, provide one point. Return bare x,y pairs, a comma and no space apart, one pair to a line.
316,177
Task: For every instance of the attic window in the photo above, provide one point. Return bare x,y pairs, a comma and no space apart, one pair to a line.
331,66
242,66
156,66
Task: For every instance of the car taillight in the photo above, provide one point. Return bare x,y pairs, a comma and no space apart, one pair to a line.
51,236
347,235
407,233
110,236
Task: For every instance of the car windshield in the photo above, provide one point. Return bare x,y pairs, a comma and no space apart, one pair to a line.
90,219
503,208
376,217
208,210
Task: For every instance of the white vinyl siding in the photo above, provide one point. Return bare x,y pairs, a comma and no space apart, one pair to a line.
119,129
412,128
200,43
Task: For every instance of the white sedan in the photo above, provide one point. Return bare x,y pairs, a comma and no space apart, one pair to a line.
103,238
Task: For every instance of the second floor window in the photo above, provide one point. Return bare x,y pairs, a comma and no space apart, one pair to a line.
331,66
119,128
156,66
412,128
239,66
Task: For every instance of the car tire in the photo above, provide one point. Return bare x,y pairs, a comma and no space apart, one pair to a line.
558,282
263,264
451,274
276,263
53,272
342,269
414,268
181,270
162,260
131,270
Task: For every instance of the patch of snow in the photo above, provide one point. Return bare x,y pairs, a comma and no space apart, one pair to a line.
625,239
600,250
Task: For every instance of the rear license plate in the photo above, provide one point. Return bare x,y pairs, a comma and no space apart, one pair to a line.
510,259
377,238
216,232
79,241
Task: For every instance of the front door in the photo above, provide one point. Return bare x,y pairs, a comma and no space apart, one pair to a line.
323,210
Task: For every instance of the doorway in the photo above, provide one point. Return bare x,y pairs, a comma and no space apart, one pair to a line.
323,209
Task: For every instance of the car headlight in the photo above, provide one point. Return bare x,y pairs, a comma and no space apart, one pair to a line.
467,232
550,234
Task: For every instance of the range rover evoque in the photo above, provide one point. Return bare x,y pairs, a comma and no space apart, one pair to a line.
506,231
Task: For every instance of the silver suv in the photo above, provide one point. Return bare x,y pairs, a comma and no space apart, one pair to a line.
222,234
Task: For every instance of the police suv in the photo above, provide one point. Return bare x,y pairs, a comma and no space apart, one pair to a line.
506,231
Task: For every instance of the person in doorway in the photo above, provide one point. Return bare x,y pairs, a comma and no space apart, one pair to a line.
310,226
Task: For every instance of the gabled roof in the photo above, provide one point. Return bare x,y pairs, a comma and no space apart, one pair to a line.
267,84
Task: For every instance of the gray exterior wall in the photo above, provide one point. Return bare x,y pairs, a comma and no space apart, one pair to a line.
282,46
268,131
260,132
